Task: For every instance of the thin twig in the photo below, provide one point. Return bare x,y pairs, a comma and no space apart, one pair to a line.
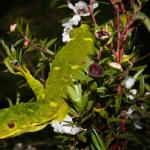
99,56
92,11
116,7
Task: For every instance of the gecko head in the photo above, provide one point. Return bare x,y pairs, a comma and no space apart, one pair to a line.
17,120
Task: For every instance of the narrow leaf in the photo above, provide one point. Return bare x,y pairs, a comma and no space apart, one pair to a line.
111,120
142,86
117,102
99,139
96,144
141,16
51,42
6,48
27,31
9,65
18,42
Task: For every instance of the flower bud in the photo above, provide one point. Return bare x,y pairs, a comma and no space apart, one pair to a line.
95,70
26,42
13,27
102,35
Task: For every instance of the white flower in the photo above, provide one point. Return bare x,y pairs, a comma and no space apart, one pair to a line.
133,92
129,112
147,93
80,9
115,65
137,126
131,97
129,82
66,127
20,146
12,48
65,34
75,19
13,27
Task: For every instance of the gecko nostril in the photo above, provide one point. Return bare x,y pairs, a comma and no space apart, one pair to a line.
11,124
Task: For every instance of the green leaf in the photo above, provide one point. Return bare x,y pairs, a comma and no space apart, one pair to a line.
93,86
27,33
6,48
30,49
147,86
101,90
98,140
19,25
129,136
83,77
18,42
118,102
96,144
82,137
75,98
40,67
9,65
92,147
141,16
139,73
111,120
20,56
51,42
89,105
85,99
9,101
142,86
97,12
103,113
62,6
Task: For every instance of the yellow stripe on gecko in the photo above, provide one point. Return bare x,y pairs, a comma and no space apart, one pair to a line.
34,116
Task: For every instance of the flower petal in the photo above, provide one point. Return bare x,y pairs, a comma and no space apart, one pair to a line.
72,7
75,20
65,35
129,112
66,127
115,65
133,91
95,5
137,126
129,82
13,27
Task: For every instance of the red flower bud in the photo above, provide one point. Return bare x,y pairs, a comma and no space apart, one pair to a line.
95,70
26,42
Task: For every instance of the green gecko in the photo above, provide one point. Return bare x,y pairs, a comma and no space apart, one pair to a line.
50,104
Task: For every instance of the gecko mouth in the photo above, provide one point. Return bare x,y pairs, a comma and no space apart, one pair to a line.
11,134
21,131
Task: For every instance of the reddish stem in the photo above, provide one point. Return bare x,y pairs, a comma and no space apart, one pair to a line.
122,36
99,54
116,7
123,8
92,11
122,126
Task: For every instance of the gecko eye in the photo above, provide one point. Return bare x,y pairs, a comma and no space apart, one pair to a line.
11,124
